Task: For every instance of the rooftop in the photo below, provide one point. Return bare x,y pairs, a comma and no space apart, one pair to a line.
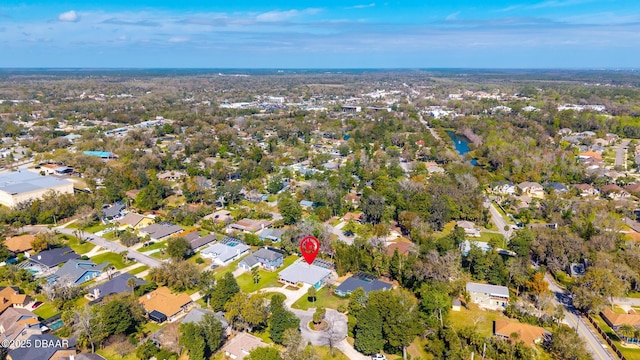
26,181
493,290
164,301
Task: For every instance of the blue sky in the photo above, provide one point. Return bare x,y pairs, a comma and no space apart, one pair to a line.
328,34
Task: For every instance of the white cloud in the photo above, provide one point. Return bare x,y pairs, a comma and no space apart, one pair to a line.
69,16
276,15
453,16
178,39
362,6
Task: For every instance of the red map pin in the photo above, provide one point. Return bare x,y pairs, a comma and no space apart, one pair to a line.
309,247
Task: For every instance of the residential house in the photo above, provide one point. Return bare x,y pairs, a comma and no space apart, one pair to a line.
616,320
241,345
196,315
300,272
17,325
160,231
503,187
117,285
633,188
225,251
614,192
364,281
353,198
77,272
134,221
196,241
589,155
529,334
270,234
172,175
250,225
492,297
48,260
44,347
470,228
220,216
19,244
557,187
532,189
403,247
10,297
268,259
162,305
352,217
104,155
113,211
586,190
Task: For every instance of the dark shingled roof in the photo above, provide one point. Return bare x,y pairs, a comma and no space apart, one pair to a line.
40,352
55,257
366,282
117,285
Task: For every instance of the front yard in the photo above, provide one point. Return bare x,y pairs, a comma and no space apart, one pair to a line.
113,258
325,298
267,278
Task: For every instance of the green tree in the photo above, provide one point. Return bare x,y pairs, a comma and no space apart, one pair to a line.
373,208
246,312
275,184
289,208
255,274
312,293
319,314
212,331
192,338
146,350
121,315
281,319
178,248
264,353
567,345
223,291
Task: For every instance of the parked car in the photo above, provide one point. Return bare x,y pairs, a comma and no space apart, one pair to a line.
378,357
214,266
36,304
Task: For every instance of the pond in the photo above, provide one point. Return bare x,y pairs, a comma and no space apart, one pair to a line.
461,144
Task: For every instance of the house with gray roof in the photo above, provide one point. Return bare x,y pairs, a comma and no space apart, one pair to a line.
113,211
268,259
44,347
77,271
160,231
48,260
196,315
367,282
300,272
18,324
196,241
492,297
270,234
117,285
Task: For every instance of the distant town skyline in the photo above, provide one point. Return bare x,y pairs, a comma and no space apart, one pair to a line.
329,34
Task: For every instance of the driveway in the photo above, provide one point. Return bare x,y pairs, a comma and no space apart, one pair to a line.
621,153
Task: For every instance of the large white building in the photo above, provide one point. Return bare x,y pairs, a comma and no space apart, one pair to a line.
23,186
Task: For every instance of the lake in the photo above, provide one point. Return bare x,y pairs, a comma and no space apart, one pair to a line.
461,144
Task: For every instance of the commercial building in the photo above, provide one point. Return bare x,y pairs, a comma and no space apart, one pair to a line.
23,186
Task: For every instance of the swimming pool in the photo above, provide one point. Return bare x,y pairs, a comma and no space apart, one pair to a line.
56,324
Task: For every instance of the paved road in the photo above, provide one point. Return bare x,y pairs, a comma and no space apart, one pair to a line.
433,132
104,243
500,221
621,154
572,318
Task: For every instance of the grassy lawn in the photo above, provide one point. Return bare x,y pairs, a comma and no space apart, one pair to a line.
110,353
264,335
629,353
415,350
154,246
448,228
160,255
488,237
483,319
96,227
74,243
267,278
325,354
635,295
324,299
46,310
151,327
111,235
113,258
139,269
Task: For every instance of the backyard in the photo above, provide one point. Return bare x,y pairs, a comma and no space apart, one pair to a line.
629,352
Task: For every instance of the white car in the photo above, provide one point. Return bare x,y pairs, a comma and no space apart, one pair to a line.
378,357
